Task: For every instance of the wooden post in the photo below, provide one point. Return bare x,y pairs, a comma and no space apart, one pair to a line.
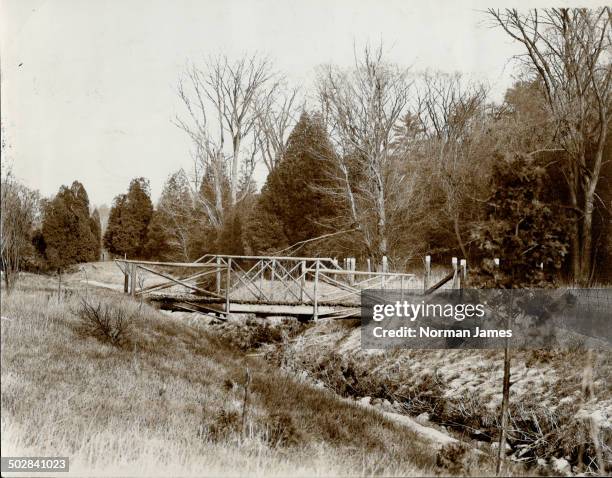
369,268
504,412
351,268
455,273
316,299
126,279
262,272
303,282
427,273
385,268
218,276
463,270
336,264
227,285
133,281
59,285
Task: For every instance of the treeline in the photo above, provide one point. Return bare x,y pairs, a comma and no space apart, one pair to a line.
457,194
47,234
402,164
446,172
384,162
289,209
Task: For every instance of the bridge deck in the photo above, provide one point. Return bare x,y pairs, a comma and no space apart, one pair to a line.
215,305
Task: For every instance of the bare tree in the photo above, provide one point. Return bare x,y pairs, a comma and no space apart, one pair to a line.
274,123
210,162
233,93
452,118
17,214
362,108
570,52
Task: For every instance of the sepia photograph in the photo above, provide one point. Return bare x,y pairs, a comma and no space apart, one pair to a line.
332,238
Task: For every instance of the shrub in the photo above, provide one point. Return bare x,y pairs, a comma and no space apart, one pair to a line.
451,457
225,424
106,321
281,431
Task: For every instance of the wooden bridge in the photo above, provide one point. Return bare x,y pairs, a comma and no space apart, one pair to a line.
306,287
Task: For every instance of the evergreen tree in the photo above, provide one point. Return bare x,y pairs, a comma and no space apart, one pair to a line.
129,219
66,230
291,199
525,227
168,235
230,236
96,231
264,229
115,238
157,246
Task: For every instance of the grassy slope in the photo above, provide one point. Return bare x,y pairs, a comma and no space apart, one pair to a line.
170,401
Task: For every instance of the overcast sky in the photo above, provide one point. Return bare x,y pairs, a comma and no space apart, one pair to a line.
89,86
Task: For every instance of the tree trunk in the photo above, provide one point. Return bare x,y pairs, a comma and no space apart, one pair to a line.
504,410
218,181
234,178
587,242
575,250
458,236
589,207
7,281
381,225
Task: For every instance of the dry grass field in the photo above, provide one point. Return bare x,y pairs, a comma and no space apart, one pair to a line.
165,397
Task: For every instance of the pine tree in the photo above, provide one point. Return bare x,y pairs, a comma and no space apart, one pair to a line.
129,219
291,200
66,231
157,246
264,230
96,231
230,236
115,238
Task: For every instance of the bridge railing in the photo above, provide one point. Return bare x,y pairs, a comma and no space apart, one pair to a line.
227,279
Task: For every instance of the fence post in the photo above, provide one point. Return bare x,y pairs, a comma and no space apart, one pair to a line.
133,281
303,282
227,285
385,268
369,268
455,273
315,314
336,264
352,269
126,278
463,269
427,274
218,276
